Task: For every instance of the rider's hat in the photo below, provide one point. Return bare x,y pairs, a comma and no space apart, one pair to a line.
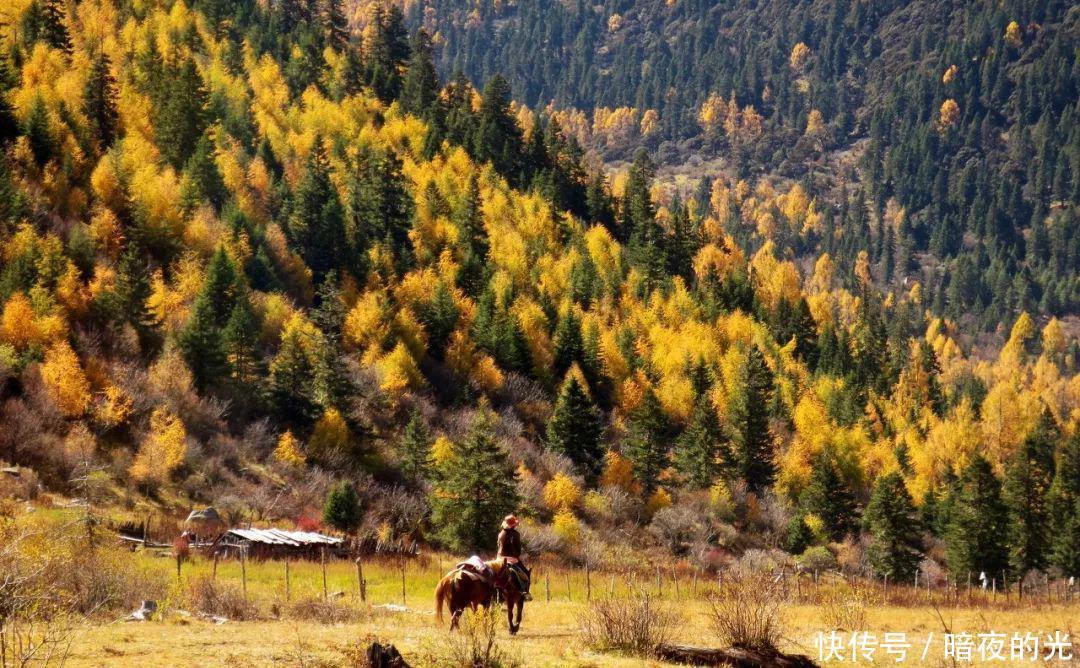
509,522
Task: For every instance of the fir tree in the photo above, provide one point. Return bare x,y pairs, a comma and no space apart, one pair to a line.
439,317
133,289
797,535
202,346
1063,497
414,449
292,392
54,30
568,343
498,137
317,224
342,509
476,487
179,114
472,241
576,427
337,26
748,416
829,497
420,88
201,179
240,341
39,133
702,447
977,530
896,546
99,103
646,441
1027,481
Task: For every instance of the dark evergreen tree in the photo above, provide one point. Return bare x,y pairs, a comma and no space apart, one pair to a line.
414,449
342,509
39,132
975,539
420,88
1026,484
240,338
576,427
472,241
317,224
1063,497
569,347
703,448
202,345
292,387
646,442
337,26
99,103
828,496
475,488
498,137
202,182
439,317
797,535
749,419
896,546
179,110
54,30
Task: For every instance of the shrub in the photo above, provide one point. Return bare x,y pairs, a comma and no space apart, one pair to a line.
746,610
843,608
817,558
475,645
324,612
637,625
213,598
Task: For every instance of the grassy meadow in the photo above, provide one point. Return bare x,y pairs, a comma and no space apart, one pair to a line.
303,631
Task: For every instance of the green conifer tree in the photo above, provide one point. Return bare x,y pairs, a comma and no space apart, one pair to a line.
99,103
896,546
414,449
975,540
342,510
646,442
576,427
749,419
828,496
475,488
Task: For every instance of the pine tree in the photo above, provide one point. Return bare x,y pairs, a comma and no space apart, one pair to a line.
201,179
202,346
498,137
317,224
342,509
1063,499
896,546
476,487
99,103
568,343
133,289
748,416
179,115
388,53
576,427
1025,488
292,392
829,497
337,26
414,449
797,535
702,448
39,133
54,30
240,338
472,241
439,317
646,440
977,530
420,88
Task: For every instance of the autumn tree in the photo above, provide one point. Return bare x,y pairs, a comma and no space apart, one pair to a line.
162,450
65,380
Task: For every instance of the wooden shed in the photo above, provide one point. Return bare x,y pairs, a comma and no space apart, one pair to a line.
275,544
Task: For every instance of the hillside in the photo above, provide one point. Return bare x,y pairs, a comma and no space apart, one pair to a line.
961,115
265,258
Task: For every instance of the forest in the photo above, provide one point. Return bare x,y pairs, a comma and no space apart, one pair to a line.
394,271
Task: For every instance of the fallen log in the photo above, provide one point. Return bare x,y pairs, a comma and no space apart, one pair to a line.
736,657
385,656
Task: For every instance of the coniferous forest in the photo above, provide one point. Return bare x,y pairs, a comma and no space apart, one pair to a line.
684,277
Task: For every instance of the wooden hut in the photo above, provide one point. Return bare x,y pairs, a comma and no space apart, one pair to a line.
275,544
204,526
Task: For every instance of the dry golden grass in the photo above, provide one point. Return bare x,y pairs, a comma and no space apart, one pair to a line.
549,638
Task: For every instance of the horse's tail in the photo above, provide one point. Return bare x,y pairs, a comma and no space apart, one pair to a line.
442,593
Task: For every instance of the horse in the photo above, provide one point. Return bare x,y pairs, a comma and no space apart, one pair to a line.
460,590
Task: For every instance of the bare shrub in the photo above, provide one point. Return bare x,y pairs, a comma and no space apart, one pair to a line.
475,644
637,625
677,528
324,612
844,607
746,611
223,600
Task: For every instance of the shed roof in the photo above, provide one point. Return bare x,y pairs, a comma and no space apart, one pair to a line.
206,514
281,537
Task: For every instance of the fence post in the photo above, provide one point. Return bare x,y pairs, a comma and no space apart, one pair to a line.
243,568
659,583
569,594
675,579
547,586
360,579
611,587
588,581
213,575
403,581
288,585
322,558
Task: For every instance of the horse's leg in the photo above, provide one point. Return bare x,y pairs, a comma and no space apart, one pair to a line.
455,617
510,614
520,611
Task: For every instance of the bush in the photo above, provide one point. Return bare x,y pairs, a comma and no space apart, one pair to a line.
746,610
817,559
637,625
222,600
324,612
843,608
475,645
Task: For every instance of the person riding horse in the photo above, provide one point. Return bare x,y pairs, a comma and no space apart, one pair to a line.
510,553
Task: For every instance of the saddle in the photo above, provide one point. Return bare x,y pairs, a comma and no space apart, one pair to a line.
474,568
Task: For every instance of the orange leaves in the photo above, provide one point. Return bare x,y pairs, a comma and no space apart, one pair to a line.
949,115
65,381
21,327
288,452
800,54
561,493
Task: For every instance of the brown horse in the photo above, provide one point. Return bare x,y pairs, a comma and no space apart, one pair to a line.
459,591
